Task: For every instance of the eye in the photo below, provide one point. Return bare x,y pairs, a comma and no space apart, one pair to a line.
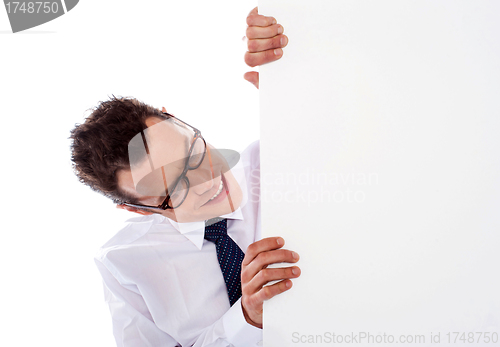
197,154
180,193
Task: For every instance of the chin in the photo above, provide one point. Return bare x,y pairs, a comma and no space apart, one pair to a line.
224,207
213,210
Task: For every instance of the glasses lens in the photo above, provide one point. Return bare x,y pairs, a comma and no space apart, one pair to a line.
198,153
179,193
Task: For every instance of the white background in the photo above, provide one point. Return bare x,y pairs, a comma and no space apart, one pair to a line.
186,56
397,103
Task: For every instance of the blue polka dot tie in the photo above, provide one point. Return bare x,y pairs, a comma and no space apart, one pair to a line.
229,255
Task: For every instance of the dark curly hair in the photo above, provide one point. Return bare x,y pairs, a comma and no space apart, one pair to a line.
99,147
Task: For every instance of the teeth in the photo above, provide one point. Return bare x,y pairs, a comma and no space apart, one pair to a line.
218,191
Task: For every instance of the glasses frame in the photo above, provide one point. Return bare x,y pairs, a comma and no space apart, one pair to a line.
164,205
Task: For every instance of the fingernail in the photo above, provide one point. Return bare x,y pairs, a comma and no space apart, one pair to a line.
274,21
280,29
295,271
295,255
288,284
277,51
283,41
280,241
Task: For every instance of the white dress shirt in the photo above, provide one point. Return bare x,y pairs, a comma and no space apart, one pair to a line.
163,282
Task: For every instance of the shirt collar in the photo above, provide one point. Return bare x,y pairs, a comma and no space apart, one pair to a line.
195,231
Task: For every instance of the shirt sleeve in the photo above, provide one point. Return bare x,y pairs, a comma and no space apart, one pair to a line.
133,325
232,330
238,330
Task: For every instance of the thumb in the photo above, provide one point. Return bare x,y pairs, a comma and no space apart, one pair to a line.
252,77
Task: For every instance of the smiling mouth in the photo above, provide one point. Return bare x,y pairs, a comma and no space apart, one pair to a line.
220,194
221,186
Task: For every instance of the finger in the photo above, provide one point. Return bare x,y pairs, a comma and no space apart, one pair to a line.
271,291
260,21
252,77
264,259
255,32
265,44
267,244
265,276
254,11
261,58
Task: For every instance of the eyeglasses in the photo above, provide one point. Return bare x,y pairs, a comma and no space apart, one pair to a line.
180,188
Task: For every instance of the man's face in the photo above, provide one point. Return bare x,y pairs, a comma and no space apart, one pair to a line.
168,143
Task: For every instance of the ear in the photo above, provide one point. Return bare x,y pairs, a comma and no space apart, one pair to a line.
133,209
170,214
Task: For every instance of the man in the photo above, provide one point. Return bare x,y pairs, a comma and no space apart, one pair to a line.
172,276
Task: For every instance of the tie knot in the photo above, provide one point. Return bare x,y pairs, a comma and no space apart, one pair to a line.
215,228
212,221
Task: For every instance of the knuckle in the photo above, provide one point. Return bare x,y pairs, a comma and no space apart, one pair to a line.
263,258
245,262
245,291
287,255
252,19
281,256
268,44
250,32
245,277
253,45
272,254
267,292
251,61
286,273
265,275
251,249
272,31
271,242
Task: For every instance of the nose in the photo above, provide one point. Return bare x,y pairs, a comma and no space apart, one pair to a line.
201,180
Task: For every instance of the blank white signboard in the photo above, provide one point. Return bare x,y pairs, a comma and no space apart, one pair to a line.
380,166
